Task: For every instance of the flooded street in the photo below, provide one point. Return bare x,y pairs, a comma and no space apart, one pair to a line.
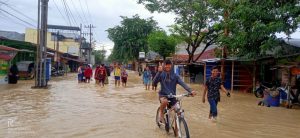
68,109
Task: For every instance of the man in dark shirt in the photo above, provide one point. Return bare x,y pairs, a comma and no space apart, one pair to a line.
168,81
212,85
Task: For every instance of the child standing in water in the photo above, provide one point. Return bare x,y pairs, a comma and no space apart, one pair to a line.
147,78
88,73
117,74
101,75
212,86
124,77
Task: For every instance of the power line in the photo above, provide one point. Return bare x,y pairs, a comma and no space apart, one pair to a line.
60,12
68,9
83,11
7,22
18,11
87,7
18,18
77,11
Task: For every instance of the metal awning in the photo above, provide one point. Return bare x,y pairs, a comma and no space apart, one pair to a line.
72,59
60,27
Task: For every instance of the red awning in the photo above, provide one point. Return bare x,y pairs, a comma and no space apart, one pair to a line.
7,53
6,48
5,57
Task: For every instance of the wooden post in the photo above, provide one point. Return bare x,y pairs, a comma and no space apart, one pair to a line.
232,75
254,77
204,78
289,88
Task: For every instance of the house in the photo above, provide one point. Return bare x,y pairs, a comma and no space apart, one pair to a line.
6,55
62,42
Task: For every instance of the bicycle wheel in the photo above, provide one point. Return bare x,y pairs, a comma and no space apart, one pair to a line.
183,129
167,123
158,117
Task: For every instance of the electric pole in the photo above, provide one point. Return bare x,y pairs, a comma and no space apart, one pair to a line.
40,67
57,50
90,47
80,46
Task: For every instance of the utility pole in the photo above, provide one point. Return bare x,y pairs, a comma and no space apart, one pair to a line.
57,49
42,44
37,62
90,47
80,45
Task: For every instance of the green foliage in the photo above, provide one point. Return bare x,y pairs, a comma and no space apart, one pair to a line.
99,56
253,24
195,21
161,43
130,38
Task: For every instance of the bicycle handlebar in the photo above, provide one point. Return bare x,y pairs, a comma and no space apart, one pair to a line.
177,96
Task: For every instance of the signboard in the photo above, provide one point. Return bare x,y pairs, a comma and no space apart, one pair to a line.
141,55
73,50
3,72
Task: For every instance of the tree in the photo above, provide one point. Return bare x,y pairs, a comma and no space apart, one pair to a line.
253,25
99,56
161,43
195,22
130,37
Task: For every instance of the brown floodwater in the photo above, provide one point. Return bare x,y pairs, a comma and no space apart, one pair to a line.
68,109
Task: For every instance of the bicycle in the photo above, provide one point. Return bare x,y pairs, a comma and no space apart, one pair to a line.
178,123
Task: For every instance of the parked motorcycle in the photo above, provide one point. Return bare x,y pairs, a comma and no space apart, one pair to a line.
261,88
55,72
273,90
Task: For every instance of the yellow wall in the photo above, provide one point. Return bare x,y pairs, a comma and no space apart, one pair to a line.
31,36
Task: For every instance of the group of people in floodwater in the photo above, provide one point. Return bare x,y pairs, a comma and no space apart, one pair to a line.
148,76
101,74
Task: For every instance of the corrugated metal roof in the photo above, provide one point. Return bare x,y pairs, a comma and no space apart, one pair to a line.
293,42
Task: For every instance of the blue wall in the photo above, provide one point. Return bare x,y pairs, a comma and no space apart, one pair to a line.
209,65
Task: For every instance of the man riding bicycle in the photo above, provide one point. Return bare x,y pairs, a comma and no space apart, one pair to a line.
168,81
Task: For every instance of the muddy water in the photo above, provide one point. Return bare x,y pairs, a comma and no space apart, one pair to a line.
68,109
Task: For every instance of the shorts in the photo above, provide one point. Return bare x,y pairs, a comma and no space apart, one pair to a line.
172,101
124,79
88,78
117,77
102,80
146,81
80,77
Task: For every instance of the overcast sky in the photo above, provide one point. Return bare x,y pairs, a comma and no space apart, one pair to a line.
103,14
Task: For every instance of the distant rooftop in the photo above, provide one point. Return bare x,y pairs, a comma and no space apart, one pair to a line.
293,41
12,35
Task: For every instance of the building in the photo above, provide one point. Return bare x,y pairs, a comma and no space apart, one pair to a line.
6,55
64,42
